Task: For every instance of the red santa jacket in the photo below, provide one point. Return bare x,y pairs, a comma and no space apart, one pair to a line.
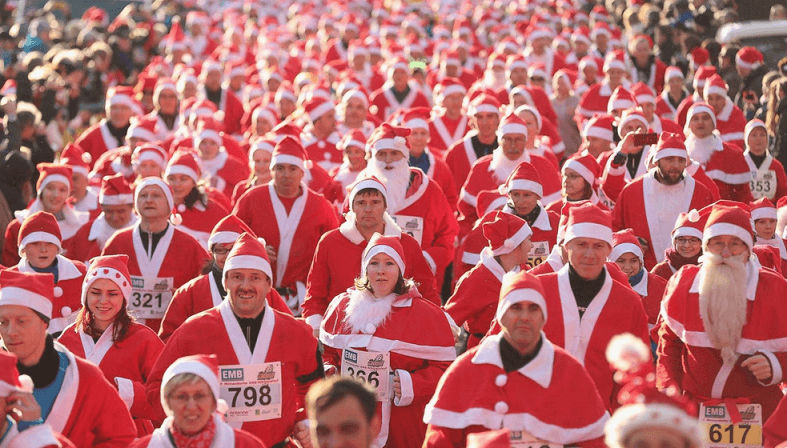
114,161
444,132
769,180
665,109
651,289
594,100
201,294
225,172
68,291
688,359
226,436
775,430
69,225
728,168
38,436
177,255
731,123
337,263
91,238
96,140
199,220
126,363
233,112
316,178
662,124
385,101
294,234
683,108
83,419
642,195
616,177
323,151
777,243
460,157
656,70
421,345
476,394
282,339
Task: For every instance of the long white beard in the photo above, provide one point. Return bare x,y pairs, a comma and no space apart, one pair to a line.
365,311
502,166
701,149
396,180
723,301
495,80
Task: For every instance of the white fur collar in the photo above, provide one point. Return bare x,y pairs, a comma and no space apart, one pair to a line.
350,231
364,312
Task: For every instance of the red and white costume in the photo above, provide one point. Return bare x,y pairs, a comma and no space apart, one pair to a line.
421,345
767,181
323,151
444,132
69,226
198,221
226,436
91,238
97,140
725,164
125,363
386,103
476,394
460,158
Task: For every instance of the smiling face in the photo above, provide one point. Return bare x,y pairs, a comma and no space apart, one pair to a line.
629,263
105,300
587,256
181,185
383,273
246,291
53,197
192,405
765,228
688,246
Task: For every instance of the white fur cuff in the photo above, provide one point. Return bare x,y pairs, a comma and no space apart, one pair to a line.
407,389
314,321
126,390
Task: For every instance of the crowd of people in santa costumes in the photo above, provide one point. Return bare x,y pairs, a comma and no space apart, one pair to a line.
215,205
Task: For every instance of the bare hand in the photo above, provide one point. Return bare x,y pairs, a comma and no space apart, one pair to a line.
24,406
271,251
397,386
759,366
8,103
644,243
301,433
627,146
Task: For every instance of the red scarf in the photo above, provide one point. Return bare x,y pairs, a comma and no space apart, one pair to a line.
203,439
677,261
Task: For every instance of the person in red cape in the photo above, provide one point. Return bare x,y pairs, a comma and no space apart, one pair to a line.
721,322
517,380
385,315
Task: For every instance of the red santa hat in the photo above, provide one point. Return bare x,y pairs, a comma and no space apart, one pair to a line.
285,92
750,126
643,93
388,245
672,72
515,61
621,99
714,84
600,125
144,129
499,438
265,113
115,190
389,137
524,177
586,166
400,63
157,182
588,221
227,231
365,183
162,85
28,289
689,224
728,219
39,227
489,200
289,150
615,59
208,129
505,232
317,107
203,108
354,137
248,253
762,208
184,162
698,108
698,57
261,144
450,86
670,145
520,287
590,61
512,124
76,158
484,103
10,380
110,267
204,366
149,151
122,95
539,32
417,118
702,74
528,108
355,93
624,242
630,115
581,34
600,28
52,172
748,58
538,70
643,406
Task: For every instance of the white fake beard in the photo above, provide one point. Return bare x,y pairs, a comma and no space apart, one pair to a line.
502,166
723,301
495,80
364,309
700,150
396,181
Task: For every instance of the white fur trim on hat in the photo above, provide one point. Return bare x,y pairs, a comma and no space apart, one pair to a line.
364,184
355,94
154,181
191,366
625,248
141,133
151,155
713,89
698,110
630,418
512,128
582,170
56,178
645,98
417,123
44,237
397,143
208,134
724,228
520,295
107,273
222,238
633,117
453,88
526,185
286,158
763,213
165,86
117,199
514,240
382,249
588,230
593,131
686,231
670,152
485,108
321,110
248,262
76,169
182,169
12,295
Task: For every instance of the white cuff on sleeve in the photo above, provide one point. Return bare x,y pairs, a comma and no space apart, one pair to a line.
776,368
407,388
314,321
430,262
126,390
38,435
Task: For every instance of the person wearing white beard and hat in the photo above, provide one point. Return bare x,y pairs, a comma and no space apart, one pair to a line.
258,348
518,380
722,320
414,201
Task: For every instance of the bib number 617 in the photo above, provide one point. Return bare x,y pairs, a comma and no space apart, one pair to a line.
372,378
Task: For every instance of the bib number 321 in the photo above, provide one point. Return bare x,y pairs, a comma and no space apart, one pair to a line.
150,296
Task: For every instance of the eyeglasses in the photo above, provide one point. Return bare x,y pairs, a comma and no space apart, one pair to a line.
687,240
183,399
218,250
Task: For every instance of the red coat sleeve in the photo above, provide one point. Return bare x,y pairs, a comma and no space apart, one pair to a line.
441,437
318,282
441,249
10,248
613,180
179,309
781,180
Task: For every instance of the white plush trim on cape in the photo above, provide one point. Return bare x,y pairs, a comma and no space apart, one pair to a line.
287,225
377,344
239,345
539,369
350,231
95,351
661,240
66,269
66,398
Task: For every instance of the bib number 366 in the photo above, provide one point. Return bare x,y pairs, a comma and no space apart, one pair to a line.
372,368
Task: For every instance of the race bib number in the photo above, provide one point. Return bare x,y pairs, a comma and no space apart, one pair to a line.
373,368
763,184
150,296
719,431
252,392
538,253
523,439
411,225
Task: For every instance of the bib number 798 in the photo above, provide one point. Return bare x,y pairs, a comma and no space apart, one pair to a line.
251,396
372,378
